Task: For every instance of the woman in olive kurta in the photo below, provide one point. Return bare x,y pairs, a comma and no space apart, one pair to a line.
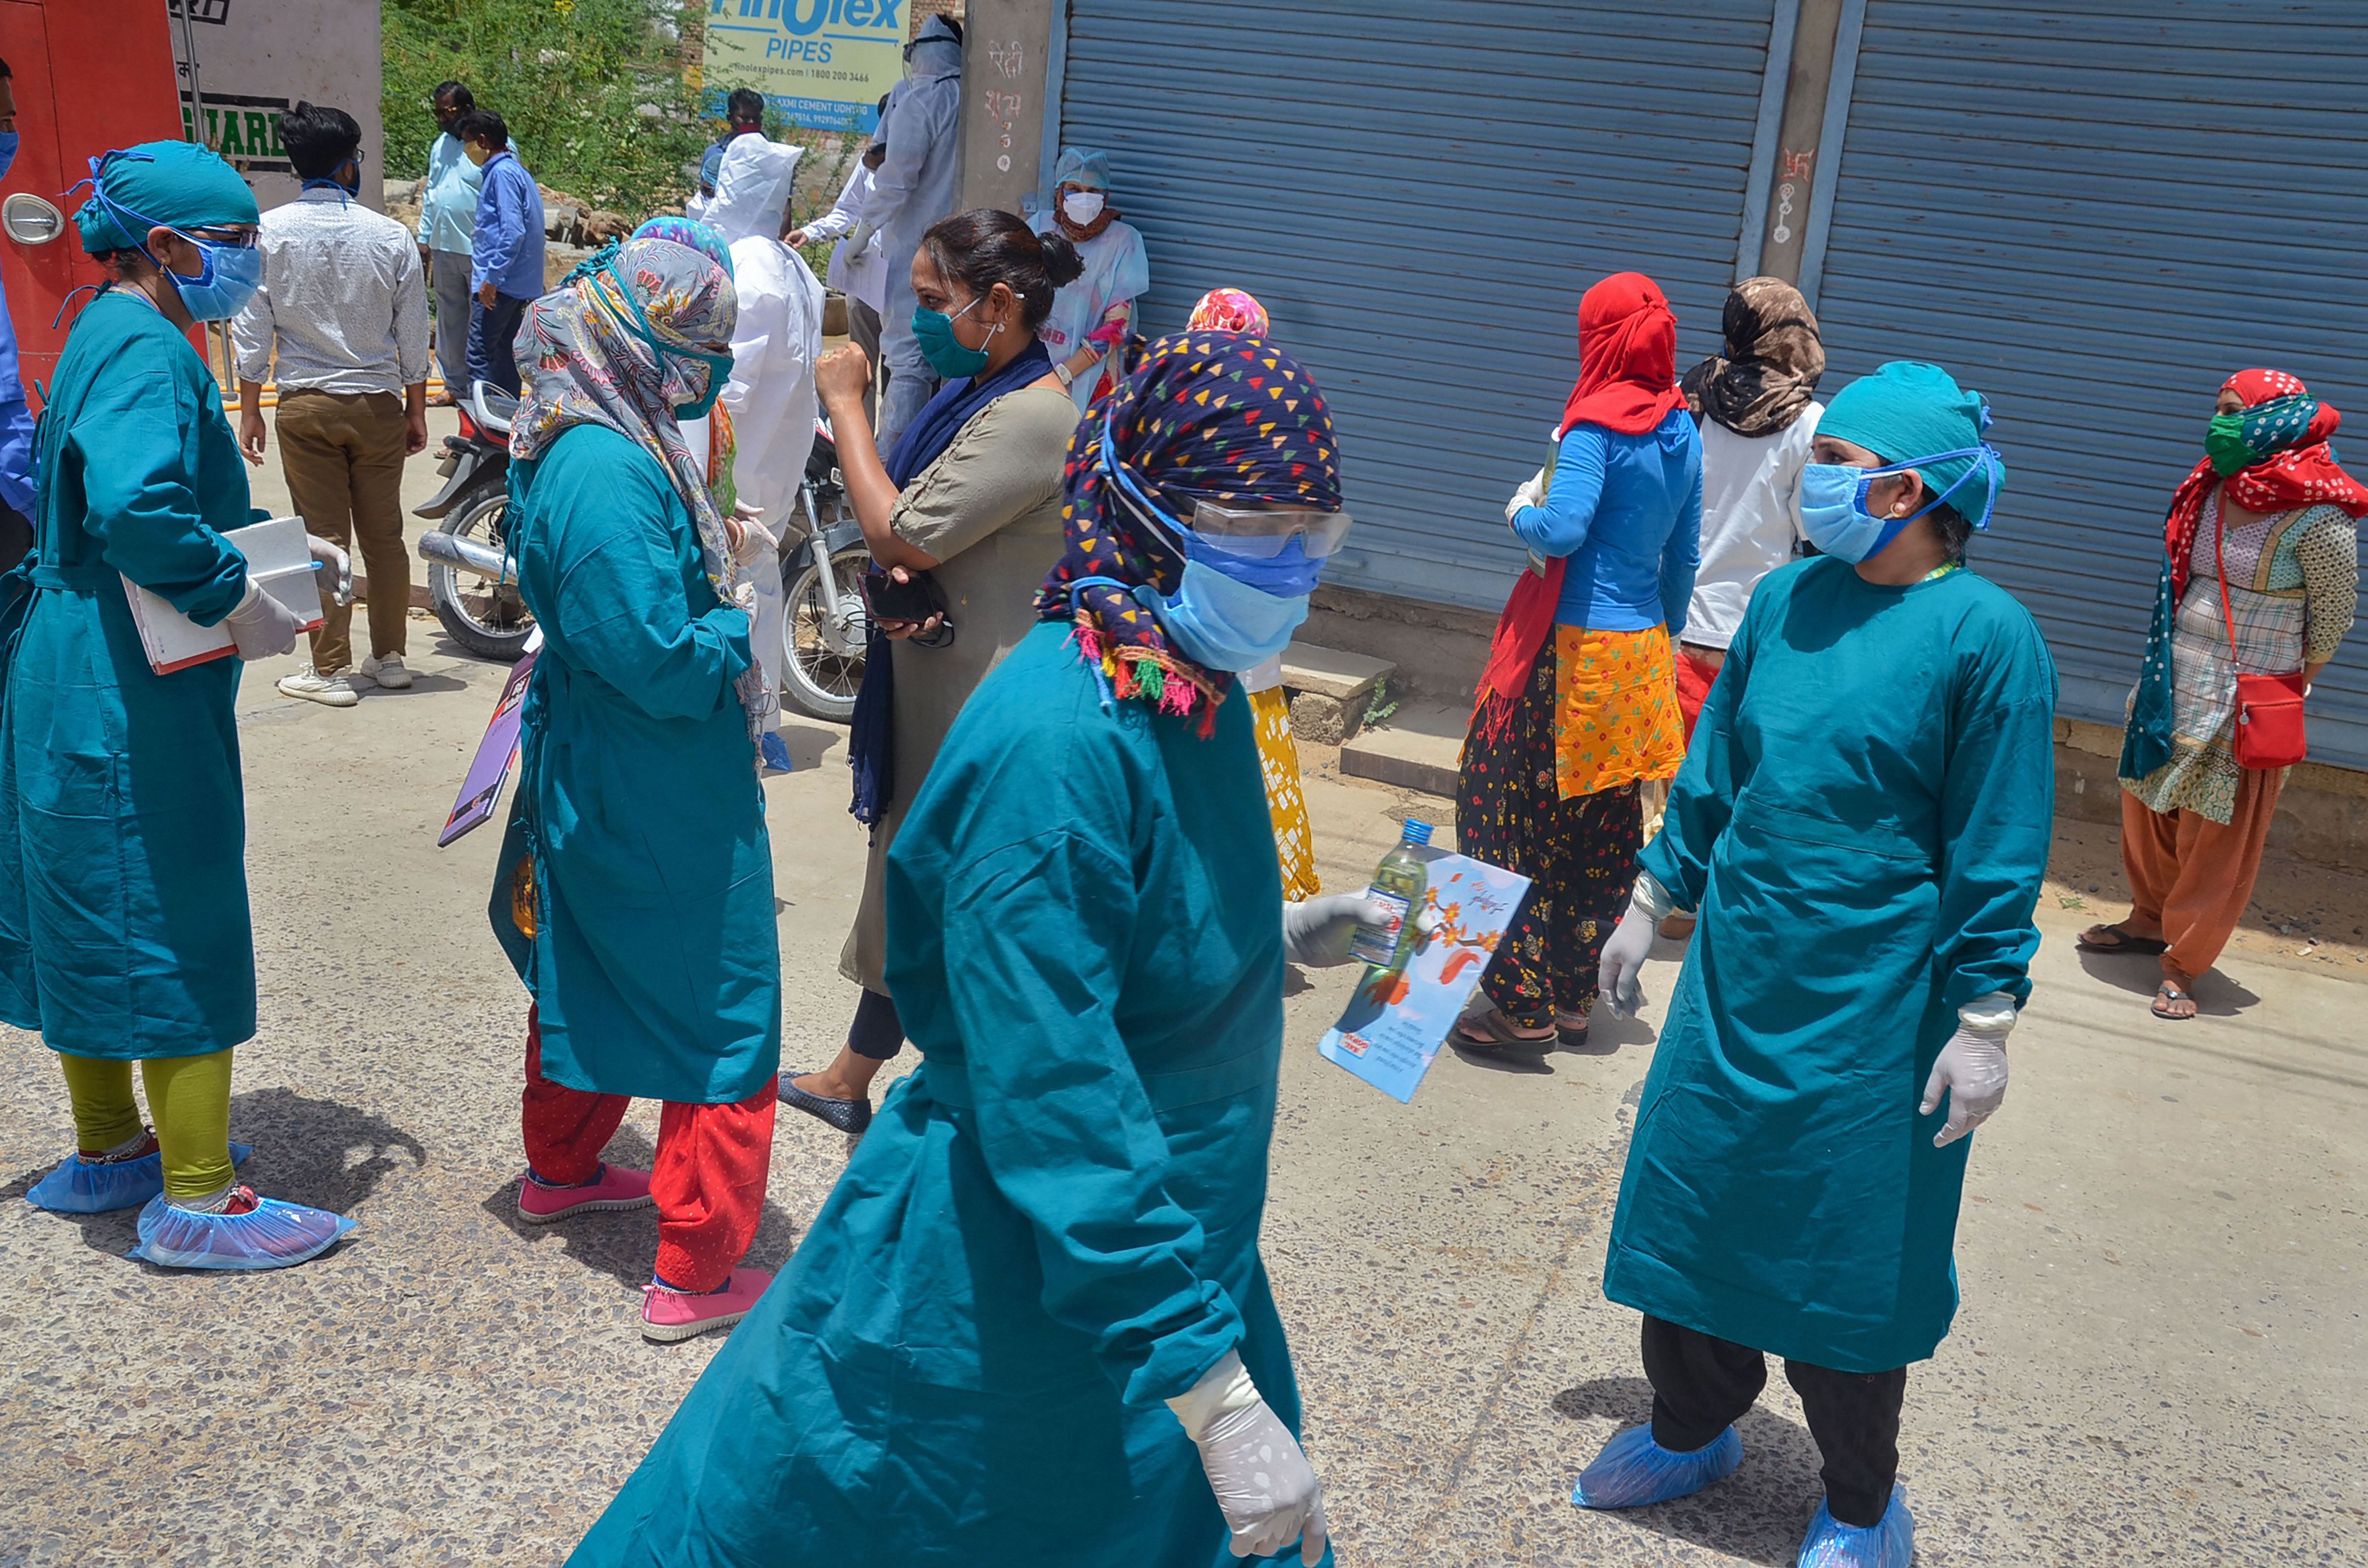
124,931
636,893
1862,821
1051,1229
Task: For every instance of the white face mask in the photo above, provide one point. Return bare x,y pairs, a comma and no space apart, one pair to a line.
1082,206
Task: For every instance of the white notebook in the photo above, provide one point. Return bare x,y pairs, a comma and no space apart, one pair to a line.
277,560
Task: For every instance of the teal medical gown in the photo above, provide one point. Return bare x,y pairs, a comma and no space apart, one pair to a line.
1051,1225
1862,820
124,931
654,962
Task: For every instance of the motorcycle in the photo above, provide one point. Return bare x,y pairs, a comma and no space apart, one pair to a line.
471,586
473,582
825,632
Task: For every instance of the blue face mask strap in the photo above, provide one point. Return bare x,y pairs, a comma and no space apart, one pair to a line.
1987,462
1076,587
1175,531
344,197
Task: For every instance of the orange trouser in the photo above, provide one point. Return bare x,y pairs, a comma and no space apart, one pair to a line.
2190,877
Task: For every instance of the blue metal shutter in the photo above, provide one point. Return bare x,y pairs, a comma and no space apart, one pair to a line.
1418,191
2094,213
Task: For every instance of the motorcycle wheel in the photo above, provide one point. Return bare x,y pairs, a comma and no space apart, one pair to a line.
823,669
486,618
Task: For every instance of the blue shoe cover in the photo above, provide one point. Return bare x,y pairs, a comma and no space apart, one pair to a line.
1890,1542
1633,1470
275,1235
77,1187
775,751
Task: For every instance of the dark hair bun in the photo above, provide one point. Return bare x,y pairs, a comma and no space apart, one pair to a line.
986,245
1063,265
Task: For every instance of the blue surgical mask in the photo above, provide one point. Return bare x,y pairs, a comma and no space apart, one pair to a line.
948,355
7,149
1834,495
719,366
1222,623
227,280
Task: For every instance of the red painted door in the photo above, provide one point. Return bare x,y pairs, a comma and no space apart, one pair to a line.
88,78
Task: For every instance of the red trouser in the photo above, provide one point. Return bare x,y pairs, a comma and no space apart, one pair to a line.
709,1178
1697,670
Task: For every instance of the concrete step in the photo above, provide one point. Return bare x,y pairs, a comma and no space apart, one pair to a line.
1330,691
1417,749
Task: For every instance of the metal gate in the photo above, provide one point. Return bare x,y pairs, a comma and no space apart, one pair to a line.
2094,212
1418,191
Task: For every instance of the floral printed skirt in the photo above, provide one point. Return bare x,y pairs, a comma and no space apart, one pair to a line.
1616,715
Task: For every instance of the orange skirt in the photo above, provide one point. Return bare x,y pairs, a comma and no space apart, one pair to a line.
1616,715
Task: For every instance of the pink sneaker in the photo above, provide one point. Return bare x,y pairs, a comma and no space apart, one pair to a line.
614,1187
668,1316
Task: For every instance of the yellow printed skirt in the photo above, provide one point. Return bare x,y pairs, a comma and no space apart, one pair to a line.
1616,718
1279,761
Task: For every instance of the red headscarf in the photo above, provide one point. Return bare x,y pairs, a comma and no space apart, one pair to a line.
1627,383
2303,473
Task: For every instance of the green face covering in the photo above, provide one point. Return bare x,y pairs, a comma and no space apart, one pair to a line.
2238,441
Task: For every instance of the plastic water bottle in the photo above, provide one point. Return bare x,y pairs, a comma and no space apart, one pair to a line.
1399,882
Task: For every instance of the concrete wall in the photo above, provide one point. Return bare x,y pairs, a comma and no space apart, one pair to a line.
257,57
1006,46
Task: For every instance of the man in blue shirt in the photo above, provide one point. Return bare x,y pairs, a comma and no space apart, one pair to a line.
447,216
505,264
15,419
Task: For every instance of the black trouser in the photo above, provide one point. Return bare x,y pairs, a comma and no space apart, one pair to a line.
1703,1385
877,1033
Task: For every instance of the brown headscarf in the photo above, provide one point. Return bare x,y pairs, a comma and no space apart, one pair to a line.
1771,365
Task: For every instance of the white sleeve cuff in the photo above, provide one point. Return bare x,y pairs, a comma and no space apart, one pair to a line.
1224,1387
1992,1014
1653,898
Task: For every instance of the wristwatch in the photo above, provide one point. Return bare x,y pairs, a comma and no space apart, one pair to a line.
1061,368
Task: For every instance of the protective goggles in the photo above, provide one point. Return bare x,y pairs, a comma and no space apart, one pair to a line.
1258,533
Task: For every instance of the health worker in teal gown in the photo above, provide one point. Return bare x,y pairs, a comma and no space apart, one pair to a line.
635,889
124,932
1030,1328
1862,821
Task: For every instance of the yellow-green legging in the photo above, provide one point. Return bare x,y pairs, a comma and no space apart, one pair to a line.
188,1102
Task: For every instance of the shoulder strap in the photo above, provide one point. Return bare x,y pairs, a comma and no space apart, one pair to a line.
2220,566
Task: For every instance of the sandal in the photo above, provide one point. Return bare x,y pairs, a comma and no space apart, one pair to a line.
2122,942
1497,1033
2170,992
1570,1030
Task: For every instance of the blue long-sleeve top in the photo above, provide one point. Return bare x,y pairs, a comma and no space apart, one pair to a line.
508,243
15,423
1626,511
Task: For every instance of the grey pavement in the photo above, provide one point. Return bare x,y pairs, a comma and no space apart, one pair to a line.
2160,1359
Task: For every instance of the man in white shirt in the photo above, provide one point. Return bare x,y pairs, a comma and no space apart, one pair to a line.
447,212
860,275
775,342
343,304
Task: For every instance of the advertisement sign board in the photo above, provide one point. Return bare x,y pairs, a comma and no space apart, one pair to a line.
821,64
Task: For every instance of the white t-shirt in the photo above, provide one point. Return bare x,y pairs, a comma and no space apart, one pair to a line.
1751,491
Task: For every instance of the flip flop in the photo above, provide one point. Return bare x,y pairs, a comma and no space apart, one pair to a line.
1500,1034
2125,943
2167,992
1572,1035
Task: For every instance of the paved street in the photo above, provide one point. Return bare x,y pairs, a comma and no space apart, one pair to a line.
2161,1358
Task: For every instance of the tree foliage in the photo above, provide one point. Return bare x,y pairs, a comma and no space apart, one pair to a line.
593,91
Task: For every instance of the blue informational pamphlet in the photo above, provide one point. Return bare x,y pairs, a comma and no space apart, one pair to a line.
1398,1020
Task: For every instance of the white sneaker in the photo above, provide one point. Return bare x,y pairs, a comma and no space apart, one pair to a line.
387,671
334,692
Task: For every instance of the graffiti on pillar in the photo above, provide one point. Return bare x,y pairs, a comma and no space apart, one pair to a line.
1003,106
1795,175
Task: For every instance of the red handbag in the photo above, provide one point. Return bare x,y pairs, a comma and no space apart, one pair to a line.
2270,731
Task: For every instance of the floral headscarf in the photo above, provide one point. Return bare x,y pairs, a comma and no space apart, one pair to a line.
586,358
1229,310
1772,360
1203,415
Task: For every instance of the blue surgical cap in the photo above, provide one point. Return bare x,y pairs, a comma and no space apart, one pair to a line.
175,185
1907,412
1087,167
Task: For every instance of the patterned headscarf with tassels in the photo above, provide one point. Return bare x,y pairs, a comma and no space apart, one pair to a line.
1203,415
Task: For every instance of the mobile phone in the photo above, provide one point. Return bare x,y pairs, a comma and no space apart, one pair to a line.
889,599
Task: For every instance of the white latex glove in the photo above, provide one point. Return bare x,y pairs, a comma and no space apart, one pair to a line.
1972,1069
750,538
261,626
1531,492
336,568
1617,974
1264,1485
858,237
1316,933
